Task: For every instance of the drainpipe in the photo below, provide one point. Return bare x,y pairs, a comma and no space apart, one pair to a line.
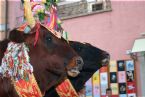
3,19
6,20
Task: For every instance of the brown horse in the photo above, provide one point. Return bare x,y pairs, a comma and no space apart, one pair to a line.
93,57
51,57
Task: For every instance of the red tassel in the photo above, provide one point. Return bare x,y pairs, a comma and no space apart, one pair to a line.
37,33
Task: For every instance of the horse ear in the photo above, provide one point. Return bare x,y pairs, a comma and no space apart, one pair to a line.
16,36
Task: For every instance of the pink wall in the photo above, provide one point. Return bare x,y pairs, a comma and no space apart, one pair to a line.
15,11
113,31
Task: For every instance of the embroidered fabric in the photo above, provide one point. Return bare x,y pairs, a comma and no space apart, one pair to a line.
65,89
16,62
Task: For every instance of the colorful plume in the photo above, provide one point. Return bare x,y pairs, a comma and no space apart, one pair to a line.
28,13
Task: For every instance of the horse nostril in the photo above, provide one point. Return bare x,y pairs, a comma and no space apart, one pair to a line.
106,60
79,62
65,64
106,55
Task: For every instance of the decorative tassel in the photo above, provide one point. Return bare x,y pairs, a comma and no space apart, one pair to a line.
37,33
53,18
65,35
25,27
28,13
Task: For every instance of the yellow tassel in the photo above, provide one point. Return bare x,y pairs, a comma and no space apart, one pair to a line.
28,13
43,1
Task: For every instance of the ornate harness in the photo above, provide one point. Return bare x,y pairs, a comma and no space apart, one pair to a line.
16,66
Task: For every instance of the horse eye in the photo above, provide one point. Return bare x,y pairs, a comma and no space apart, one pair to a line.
80,48
48,39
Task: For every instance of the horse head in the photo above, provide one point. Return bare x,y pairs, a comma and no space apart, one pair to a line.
94,58
51,57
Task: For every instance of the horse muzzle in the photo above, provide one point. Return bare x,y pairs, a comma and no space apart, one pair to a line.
106,60
75,66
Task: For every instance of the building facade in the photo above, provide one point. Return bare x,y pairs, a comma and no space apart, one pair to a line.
114,31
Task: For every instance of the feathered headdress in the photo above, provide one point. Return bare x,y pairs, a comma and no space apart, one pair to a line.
43,11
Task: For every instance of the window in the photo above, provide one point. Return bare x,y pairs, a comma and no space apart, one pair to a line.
75,8
96,7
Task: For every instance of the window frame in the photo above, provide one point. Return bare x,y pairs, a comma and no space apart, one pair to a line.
106,8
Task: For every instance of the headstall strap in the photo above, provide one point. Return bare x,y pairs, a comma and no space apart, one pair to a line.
27,88
65,89
37,33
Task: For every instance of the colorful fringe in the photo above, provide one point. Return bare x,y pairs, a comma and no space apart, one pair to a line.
16,62
65,89
16,65
27,88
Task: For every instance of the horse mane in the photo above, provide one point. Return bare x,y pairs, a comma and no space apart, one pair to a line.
5,83
3,47
16,36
